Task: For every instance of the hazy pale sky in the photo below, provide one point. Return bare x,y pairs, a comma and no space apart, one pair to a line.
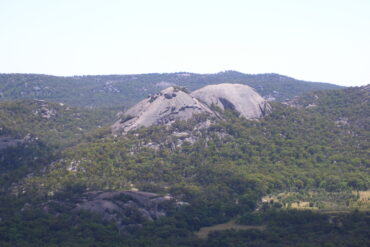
318,40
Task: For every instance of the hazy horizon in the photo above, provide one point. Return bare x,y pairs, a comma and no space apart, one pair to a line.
321,41
133,74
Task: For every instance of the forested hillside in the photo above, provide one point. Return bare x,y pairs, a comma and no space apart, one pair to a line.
293,148
53,123
298,154
126,90
32,132
309,154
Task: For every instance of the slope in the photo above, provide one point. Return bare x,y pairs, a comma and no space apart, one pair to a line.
292,148
33,131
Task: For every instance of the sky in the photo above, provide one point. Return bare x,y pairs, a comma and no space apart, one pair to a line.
313,40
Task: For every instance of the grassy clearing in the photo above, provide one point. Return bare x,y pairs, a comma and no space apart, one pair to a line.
363,200
321,200
204,231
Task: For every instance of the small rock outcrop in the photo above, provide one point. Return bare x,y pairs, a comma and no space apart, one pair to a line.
166,107
8,141
238,97
112,206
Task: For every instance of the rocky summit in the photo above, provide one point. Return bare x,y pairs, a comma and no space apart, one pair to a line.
175,103
238,97
166,107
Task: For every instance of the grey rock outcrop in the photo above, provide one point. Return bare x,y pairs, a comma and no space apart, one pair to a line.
238,97
166,107
112,206
174,103
123,208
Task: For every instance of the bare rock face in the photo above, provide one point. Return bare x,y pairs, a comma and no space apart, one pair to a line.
123,208
166,107
174,103
238,97
113,206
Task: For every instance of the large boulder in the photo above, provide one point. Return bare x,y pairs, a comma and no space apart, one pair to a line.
166,107
123,208
238,97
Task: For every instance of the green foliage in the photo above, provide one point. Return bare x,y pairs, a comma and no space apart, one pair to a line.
55,124
251,219
33,227
33,132
289,228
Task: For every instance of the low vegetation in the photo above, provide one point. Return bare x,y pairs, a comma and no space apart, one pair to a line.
321,200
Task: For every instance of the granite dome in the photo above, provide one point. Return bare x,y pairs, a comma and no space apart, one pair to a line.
238,97
166,107
175,103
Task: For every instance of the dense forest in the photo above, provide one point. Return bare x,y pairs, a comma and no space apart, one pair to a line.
301,172
32,132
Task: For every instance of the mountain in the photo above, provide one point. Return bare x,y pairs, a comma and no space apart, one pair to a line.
300,172
301,143
166,107
127,90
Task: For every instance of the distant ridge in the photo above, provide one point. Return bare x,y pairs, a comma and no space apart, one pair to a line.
127,90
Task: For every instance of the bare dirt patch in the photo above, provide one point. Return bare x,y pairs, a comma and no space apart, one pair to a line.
204,231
